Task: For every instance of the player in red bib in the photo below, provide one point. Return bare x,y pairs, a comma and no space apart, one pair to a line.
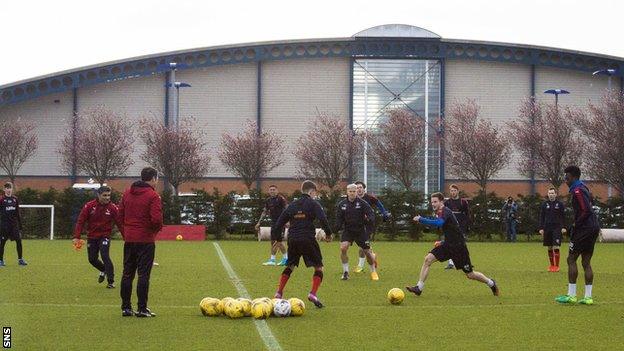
98,216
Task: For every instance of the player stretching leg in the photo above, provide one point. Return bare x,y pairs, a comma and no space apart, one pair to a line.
373,202
355,216
10,223
551,221
302,238
454,247
582,237
99,216
273,206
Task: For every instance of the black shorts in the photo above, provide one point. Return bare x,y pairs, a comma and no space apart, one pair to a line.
279,236
552,236
7,234
583,240
458,253
306,247
360,238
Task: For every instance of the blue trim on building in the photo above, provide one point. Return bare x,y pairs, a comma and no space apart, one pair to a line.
351,63
532,174
348,47
166,117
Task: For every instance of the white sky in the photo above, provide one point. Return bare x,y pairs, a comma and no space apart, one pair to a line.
42,37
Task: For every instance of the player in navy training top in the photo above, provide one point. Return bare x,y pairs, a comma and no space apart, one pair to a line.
453,246
582,237
374,202
10,223
302,238
551,227
274,205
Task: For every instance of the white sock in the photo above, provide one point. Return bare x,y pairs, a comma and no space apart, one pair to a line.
345,267
420,285
372,267
451,262
588,289
489,282
361,262
571,289
272,257
285,256
103,274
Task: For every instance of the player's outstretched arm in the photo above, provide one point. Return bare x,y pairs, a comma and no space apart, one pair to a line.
320,214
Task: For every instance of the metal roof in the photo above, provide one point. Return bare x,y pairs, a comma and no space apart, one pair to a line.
375,42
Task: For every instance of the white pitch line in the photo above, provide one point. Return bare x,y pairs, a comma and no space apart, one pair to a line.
261,325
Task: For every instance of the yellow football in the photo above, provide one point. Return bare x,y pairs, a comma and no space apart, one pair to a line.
223,302
261,310
297,307
211,306
179,237
234,309
246,306
396,296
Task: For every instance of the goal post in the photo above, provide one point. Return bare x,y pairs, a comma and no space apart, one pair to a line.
44,207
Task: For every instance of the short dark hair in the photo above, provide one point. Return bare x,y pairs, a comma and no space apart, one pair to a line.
574,171
552,188
454,186
8,185
438,195
361,183
272,186
307,185
103,189
148,173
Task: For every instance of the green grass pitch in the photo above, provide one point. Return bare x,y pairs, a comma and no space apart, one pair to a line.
55,303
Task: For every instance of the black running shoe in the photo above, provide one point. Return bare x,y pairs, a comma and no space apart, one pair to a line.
312,298
495,289
127,312
101,278
145,313
415,289
345,276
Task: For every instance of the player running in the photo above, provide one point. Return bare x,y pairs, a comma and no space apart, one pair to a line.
273,206
11,223
551,224
373,202
99,215
582,237
302,238
461,211
453,247
355,217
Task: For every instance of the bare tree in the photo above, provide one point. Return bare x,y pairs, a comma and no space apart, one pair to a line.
603,128
180,155
398,146
251,154
327,150
101,145
546,139
18,143
476,149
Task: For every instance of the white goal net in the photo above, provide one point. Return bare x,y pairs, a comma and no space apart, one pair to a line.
37,221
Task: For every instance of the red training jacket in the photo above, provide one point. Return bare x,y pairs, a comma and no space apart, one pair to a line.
140,212
99,218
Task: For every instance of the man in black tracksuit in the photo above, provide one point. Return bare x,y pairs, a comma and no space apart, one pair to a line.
356,217
461,210
302,238
551,227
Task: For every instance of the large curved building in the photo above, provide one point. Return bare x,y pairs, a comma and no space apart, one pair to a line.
283,84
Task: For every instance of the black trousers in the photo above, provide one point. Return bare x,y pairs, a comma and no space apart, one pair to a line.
101,247
137,258
18,245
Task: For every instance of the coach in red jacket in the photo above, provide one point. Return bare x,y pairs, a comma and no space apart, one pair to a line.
140,211
99,215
